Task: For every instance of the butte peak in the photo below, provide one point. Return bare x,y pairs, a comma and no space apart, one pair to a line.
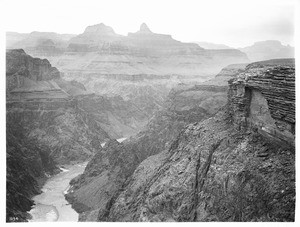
99,28
144,28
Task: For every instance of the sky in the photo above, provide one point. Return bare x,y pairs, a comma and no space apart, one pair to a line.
236,23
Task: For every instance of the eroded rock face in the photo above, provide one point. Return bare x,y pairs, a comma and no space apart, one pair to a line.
264,97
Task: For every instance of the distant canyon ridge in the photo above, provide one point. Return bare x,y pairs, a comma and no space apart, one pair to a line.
141,67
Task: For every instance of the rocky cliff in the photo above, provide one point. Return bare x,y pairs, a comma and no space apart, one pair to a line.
217,169
264,97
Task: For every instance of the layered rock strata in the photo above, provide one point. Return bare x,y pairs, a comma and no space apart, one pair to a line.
264,97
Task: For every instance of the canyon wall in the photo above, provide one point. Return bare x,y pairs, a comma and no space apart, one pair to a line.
217,168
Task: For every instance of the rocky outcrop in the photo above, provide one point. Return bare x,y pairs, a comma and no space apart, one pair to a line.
264,97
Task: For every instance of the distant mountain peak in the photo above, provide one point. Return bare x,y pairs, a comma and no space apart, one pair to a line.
144,28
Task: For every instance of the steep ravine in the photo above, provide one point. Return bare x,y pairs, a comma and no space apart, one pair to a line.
52,122
232,166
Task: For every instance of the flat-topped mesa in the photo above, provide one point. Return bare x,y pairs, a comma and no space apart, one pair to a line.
263,98
99,29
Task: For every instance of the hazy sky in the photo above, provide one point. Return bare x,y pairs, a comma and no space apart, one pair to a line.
233,22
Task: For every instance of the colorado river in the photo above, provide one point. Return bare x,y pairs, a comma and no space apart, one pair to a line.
120,140
51,205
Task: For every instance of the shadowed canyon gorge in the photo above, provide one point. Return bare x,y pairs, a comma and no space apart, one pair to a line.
168,131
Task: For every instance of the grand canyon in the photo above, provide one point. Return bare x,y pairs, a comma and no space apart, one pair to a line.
142,127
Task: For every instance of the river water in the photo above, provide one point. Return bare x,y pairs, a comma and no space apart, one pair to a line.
120,140
51,205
